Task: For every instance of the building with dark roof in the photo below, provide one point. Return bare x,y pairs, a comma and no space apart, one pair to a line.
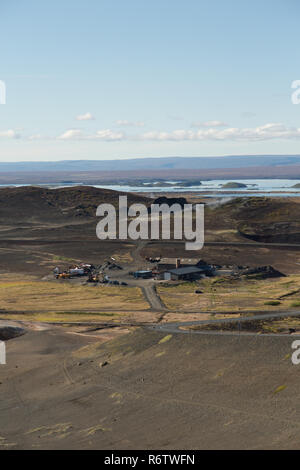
188,273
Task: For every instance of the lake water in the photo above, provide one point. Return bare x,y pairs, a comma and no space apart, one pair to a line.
254,187
274,187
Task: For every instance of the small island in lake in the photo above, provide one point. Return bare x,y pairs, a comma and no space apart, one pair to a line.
233,185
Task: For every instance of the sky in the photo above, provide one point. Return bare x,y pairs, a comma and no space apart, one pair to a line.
105,79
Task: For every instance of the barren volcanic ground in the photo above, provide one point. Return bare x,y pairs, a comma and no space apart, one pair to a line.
40,226
147,390
112,382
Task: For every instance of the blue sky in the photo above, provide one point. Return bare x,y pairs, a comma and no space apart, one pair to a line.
99,79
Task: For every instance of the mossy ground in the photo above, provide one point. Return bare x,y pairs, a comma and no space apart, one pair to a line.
233,295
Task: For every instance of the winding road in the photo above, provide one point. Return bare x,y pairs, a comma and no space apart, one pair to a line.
175,328
156,304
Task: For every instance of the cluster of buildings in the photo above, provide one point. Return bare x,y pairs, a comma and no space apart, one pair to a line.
170,269
177,270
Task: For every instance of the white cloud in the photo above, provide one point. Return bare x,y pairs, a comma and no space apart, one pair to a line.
85,117
104,134
209,124
10,134
268,131
71,134
108,134
126,123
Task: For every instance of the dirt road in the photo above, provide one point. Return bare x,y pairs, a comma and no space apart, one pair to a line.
153,298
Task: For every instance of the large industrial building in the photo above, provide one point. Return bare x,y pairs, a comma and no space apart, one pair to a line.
188,273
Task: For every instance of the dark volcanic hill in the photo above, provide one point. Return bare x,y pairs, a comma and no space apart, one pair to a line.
65,212
39,226
262,219
34,204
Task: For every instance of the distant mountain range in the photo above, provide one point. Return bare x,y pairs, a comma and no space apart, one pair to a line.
163,163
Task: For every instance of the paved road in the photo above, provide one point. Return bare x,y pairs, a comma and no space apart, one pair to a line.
174,328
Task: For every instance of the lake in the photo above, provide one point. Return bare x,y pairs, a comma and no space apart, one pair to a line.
254,187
